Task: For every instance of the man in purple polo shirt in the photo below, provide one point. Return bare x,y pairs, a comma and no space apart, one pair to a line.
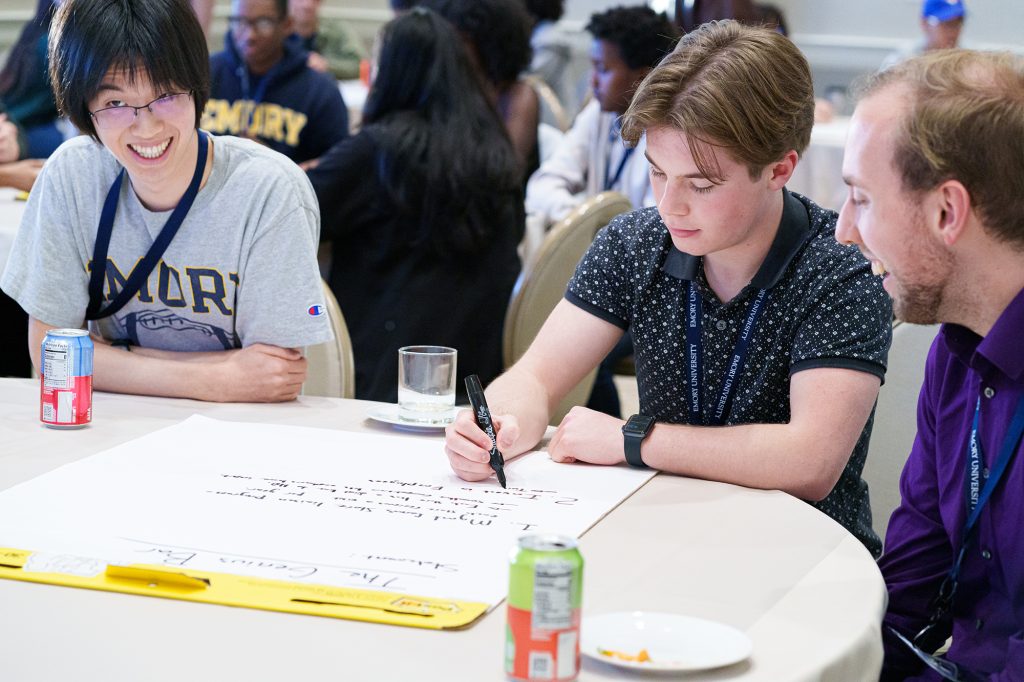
935,165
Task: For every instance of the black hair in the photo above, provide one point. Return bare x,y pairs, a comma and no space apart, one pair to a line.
642,35
403,5
22,62
445,159
498,30
159,39
545,10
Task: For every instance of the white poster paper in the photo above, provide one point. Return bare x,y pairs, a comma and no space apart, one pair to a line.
310,505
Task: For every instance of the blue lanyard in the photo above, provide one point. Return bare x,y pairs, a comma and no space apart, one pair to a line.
610,182
260,92
976,500
141,272
695,355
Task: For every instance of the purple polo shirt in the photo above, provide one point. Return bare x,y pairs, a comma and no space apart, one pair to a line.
925,531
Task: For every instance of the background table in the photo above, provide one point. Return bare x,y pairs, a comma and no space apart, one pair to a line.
807,593
819,174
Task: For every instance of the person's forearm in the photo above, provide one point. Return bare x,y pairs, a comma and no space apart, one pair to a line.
517,392
766,456
160,373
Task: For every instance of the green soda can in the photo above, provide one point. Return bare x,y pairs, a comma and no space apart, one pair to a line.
545,589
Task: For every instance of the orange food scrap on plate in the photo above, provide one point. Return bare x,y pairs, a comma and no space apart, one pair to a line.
641,657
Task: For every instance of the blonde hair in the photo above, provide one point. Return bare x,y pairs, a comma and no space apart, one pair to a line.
745,89
965,122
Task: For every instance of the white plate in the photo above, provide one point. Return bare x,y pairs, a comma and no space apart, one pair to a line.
389,415
673,642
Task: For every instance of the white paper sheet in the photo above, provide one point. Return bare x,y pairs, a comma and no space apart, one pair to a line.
302,504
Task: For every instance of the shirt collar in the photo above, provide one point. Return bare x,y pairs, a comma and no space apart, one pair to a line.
999,347
794,228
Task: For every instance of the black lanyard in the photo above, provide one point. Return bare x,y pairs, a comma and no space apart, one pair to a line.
141,272
695,355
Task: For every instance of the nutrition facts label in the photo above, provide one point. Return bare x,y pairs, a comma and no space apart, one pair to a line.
552,595
55,368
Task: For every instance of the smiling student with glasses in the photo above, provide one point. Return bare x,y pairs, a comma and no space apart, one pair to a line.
137,228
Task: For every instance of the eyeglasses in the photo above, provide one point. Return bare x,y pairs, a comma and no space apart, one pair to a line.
257,25
123,115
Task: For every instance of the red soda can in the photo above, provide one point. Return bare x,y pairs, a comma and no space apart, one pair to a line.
542,638
65,387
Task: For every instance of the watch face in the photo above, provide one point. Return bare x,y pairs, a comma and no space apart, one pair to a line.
638,424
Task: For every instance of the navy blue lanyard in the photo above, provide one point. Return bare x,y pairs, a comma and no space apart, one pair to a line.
610,182
141,272
695,355
930,636
259,94
976,500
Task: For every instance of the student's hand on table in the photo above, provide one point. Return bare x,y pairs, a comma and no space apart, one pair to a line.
8,140
317,62
469,448
586,435
20,174
261,373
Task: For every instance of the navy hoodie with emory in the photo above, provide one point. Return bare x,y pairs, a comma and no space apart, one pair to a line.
292,108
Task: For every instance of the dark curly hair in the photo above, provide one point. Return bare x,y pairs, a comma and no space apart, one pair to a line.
642,35
498,30
545,10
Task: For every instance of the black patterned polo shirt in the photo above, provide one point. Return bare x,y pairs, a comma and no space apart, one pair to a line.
824,309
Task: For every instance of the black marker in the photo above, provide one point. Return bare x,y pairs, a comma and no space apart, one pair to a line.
483,420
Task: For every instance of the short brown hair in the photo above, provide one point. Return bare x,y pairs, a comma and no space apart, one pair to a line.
745,89
965,122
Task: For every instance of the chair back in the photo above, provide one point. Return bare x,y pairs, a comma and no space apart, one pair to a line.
332,367
896,419
551,108
541,285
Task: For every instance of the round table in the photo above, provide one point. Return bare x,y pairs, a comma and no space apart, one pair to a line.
807,593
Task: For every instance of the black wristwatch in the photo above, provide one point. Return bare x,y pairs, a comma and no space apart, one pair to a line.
634,431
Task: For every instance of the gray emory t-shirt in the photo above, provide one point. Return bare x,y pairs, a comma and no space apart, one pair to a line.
242,268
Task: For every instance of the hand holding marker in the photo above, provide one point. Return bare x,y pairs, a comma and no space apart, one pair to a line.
483,419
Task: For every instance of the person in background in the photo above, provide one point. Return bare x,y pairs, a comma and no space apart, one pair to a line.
552,46
941,23
217,236
332,46
402,6
14,357
627,43
497,35
423,208
935,166
772,17
204,13
25,86
262,88
760,341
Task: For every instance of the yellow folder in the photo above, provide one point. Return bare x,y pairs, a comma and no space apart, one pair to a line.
236,590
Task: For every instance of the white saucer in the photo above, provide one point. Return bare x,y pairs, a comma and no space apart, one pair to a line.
389,415
673,642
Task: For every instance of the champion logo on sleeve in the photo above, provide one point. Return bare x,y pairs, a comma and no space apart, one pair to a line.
316,310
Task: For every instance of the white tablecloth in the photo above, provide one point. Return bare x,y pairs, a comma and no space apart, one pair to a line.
805,591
